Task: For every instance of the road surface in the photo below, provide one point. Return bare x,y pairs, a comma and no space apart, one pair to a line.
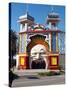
38,81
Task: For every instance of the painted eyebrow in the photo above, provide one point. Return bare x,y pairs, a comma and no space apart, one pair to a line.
42,50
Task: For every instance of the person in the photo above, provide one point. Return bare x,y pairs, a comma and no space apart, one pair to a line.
38,55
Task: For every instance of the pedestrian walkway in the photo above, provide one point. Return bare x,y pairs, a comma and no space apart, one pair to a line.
30,71
37,81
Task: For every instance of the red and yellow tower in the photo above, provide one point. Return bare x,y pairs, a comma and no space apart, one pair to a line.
25,22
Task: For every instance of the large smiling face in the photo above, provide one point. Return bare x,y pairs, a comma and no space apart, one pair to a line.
38,54
38,51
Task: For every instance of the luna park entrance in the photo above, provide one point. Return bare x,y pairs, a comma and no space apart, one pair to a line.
38,54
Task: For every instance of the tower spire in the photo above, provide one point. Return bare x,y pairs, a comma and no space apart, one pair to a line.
27,8
52,8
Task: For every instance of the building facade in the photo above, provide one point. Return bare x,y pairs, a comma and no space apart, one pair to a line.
38,45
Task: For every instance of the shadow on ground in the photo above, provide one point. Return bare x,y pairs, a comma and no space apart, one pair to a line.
12,77
32,77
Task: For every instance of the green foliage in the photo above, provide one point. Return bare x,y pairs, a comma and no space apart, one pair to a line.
12,47
50,73
42,74
12,42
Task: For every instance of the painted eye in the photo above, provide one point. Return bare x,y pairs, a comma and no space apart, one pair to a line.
42,53
34,53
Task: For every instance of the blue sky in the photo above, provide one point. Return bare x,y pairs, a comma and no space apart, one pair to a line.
38,11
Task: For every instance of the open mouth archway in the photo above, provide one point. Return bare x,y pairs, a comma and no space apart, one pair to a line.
38,57
38,52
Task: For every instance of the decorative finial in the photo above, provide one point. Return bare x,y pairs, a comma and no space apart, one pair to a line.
52,9
27,8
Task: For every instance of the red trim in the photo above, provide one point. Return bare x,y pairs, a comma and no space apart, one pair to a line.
43,31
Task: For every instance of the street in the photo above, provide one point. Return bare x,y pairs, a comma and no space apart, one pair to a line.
38,81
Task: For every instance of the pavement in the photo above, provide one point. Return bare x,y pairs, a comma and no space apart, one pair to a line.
38,81
30,78
30,71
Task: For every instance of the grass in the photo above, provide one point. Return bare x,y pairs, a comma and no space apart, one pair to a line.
50,73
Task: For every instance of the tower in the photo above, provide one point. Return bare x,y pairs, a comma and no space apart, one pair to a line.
26,22
52,21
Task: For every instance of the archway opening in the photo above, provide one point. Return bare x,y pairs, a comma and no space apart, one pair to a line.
38,57
38,53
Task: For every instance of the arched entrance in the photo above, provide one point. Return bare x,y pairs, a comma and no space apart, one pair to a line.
38,52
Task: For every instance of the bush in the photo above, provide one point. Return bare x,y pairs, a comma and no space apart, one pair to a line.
50,73
42,74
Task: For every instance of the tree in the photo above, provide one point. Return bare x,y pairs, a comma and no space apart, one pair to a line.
12,47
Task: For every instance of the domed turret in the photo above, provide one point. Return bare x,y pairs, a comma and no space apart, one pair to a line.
53,15
25,21
52,20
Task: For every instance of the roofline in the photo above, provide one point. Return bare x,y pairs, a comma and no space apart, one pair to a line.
44,31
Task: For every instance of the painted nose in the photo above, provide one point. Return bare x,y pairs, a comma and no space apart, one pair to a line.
38,56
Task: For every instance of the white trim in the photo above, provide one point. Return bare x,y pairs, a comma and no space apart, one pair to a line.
17,61
38,34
